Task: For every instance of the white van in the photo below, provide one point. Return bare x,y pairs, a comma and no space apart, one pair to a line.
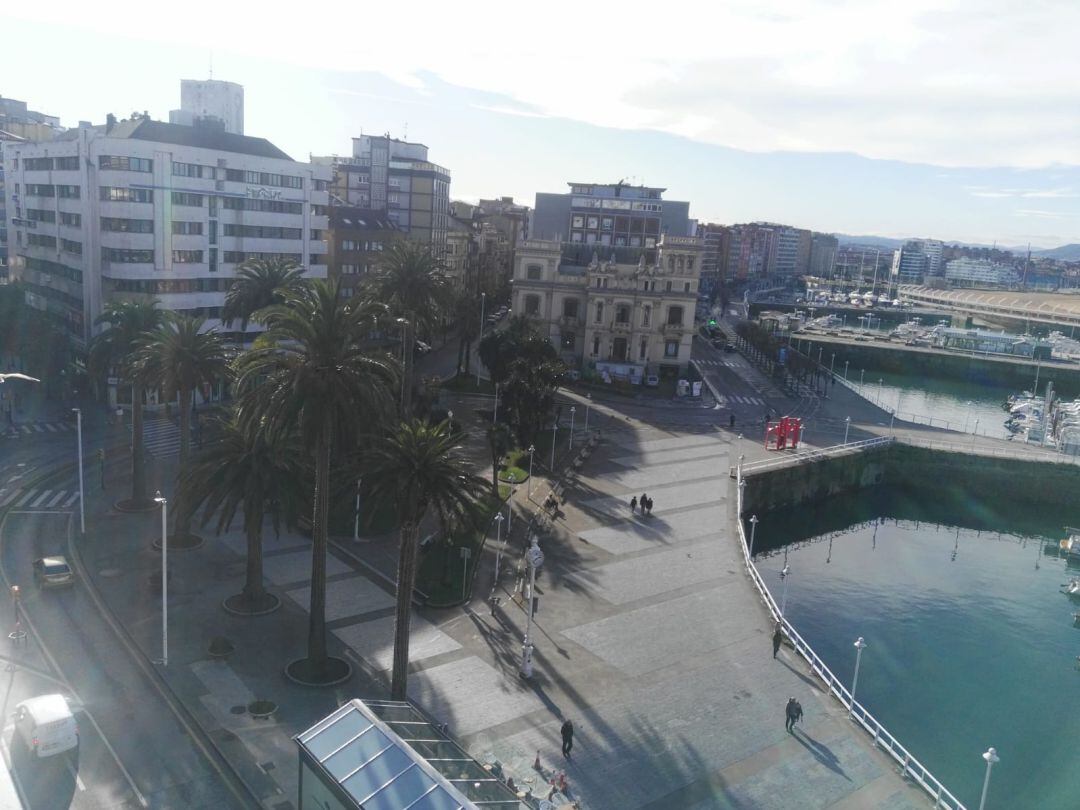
46,725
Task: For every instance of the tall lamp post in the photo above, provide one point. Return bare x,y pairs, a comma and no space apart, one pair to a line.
498,546
847,427
784,574
860,645
573,409
992,759
532,449
356,514
510,504
82,507
450,420
588,405
554,436
845,368
753,531
495,413
483,300
535,558
164,578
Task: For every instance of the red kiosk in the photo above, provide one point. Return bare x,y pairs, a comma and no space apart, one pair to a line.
783,434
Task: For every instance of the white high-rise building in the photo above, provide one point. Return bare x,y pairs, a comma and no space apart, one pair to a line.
213,99
145,209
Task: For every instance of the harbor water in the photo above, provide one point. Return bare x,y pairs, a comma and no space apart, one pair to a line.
970,641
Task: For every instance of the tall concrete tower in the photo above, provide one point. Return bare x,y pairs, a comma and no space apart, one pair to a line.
211,98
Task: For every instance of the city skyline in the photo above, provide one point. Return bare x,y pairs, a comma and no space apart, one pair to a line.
500,141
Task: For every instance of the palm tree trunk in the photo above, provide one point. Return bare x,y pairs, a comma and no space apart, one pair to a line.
461,352
253,587
406,368
183,519
138,462
317,610
406,577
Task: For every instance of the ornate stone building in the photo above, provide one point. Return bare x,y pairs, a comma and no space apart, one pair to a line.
614,316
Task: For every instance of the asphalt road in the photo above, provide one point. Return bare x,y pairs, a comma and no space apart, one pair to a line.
133,752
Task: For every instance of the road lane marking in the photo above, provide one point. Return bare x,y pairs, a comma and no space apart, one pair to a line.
59,497
50,428
75,773
71,500
10,498
27,497
42,499
14,774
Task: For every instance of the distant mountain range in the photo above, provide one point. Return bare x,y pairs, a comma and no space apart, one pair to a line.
1065,253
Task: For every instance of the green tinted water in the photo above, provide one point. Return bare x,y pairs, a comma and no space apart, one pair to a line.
971,643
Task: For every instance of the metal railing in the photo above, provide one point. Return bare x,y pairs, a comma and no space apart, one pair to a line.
803,456
910,767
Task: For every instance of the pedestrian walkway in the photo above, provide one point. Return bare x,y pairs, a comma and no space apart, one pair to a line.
34,498
161,438
22,429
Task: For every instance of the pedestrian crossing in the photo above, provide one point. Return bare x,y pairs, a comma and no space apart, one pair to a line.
161,438
720,362
732,399
21,429
34,498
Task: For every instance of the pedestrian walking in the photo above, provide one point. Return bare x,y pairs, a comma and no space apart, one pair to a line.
648,507
633,505
790,713
777,639
644,502
568,737
798,713
731,423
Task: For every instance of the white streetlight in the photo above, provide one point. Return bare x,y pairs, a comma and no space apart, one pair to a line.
845,368
483,300
753,531
860,645
532,449
847,427
742,492
164,578
535,558
588,405
880,393
739,468
784,574
509,505
554,436
572,411
495,415
498,545
356,514
992,759
832,364
450,419
82,507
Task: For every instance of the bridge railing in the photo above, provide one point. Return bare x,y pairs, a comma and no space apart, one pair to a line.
910,767
808,455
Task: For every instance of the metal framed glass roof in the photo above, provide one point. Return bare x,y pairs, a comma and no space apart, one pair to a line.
387,755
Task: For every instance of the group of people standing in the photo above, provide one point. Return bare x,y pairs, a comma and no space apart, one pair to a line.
645,502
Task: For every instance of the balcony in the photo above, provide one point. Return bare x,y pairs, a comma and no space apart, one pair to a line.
621,327
672,328
570,320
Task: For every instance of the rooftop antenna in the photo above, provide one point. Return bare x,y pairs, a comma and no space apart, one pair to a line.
211,65
405,137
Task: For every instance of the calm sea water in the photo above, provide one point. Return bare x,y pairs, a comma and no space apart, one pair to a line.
971,643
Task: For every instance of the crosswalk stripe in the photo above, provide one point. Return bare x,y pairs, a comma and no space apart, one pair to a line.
38,428
56,499
27,497
71,500
50,428
25,428
10,498
41,500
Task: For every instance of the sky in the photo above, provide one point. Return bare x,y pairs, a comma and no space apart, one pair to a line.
956,120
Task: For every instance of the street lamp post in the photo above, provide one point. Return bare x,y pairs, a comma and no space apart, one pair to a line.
880,390
784,574
554,435
483,300
356,514
164,578
845,368
535,558
509,505
832,364
847,427
498,545
450,419
532,449
992,759
82,507
753,532
588,405
862,371
572,411
495,414
860,645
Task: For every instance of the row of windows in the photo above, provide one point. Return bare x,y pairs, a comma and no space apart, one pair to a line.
54,269
187,228
116,194
622,224
187,256
41,240
71,219
264,206
186,198
262,231
125,163
40,215
172,285
361,244
354,269
237,256
120,225
71,246
264,178
48,164
127,256
622,311
608,239
192,170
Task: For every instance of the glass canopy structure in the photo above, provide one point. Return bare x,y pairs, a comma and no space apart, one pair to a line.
387,755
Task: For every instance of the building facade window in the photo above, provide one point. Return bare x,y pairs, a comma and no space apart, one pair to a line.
67,164
71,246
41,240
316,258
192,170
121,225
262,231
532,304
671,348
263,178
70,219
595,345
675,316
39,164
188,199
116,194
125,163
213,260
599,312
187,256
533,272
570,308
237,256
40,215
187,228
68,192
127,256
38,190
646,314
265,206
643,349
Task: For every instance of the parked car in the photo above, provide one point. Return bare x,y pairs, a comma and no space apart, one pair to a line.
729,348
53,572
46,725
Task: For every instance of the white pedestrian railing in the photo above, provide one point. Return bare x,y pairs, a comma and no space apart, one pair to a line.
810,454
910,767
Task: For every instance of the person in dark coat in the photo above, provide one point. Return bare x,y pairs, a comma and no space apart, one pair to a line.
568,737
633,505
790,712
777,639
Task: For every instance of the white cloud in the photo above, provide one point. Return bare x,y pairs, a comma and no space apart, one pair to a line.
949,82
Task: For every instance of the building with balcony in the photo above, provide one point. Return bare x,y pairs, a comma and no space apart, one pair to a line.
609,215
715,238
618,320
356,240
967,272
394,176
823,248
145,209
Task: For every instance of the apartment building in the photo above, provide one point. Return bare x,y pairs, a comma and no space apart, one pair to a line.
712,260
823,249
618,320
395,176
357,240
210,99
615,215
142,208
968,272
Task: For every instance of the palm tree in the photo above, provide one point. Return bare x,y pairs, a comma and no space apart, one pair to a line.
416,467
257,472
312,373
259,283
129,322
179,356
